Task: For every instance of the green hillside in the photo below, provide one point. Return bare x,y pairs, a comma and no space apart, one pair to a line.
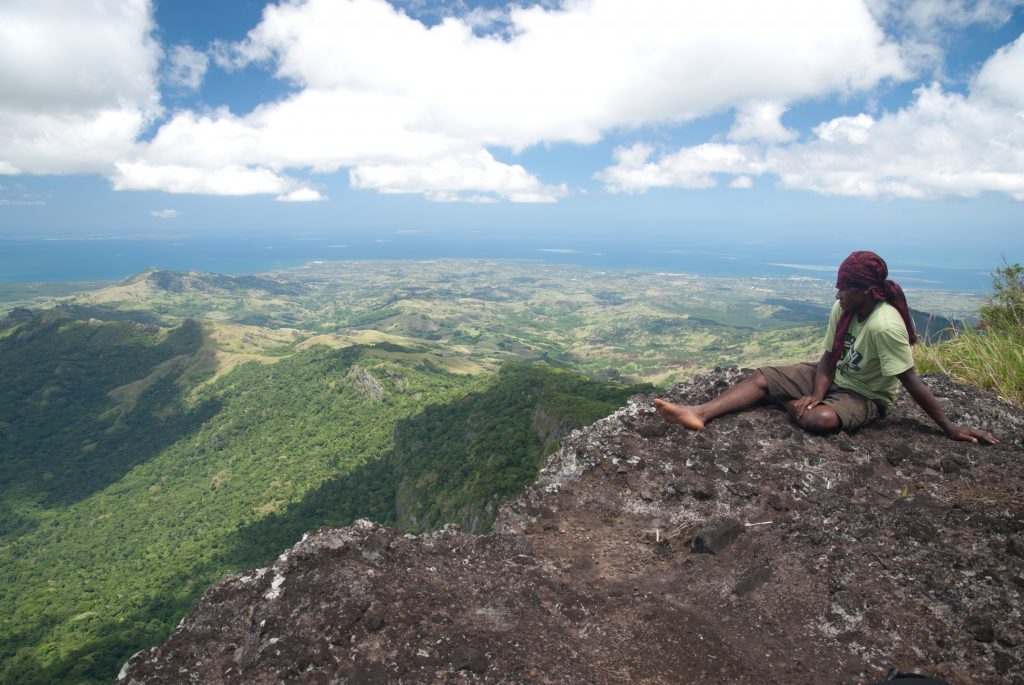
136,471
55,404
454,461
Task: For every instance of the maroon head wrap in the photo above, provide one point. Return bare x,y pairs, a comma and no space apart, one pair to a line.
867,271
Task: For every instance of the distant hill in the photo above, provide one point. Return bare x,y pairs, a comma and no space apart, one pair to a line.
634,325
930,328
200,281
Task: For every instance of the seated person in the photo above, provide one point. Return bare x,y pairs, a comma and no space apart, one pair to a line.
867,356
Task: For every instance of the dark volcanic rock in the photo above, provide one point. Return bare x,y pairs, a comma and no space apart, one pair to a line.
890,546
702,488
716,536
981,627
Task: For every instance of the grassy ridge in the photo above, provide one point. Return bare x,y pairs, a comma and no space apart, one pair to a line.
991,357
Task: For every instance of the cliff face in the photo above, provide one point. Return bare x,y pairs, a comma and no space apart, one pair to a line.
750,552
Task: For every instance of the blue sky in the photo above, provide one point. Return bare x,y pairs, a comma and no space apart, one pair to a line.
880,124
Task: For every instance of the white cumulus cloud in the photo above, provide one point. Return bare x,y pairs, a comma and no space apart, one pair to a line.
925,27
409,108
77,83
761,121
226,180
933,16
301,195
943,143
186,67
443,110
691,167
1001,79
571,73
164,213
442,179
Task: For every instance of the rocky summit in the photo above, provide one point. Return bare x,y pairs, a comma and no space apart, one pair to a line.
749,552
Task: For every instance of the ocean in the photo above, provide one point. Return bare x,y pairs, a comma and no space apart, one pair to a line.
35,259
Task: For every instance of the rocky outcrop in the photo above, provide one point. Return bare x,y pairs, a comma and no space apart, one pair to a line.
750,552
366,383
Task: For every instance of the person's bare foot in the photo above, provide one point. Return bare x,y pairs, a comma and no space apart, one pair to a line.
677,413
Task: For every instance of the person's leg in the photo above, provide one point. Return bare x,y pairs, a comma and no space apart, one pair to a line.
822,419
841,410
746,393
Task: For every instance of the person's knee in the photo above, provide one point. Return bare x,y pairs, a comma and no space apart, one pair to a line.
821,419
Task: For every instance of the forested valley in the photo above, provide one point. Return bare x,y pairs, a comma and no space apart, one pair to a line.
131,482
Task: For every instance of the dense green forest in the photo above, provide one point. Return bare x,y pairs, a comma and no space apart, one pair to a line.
452,462
133,477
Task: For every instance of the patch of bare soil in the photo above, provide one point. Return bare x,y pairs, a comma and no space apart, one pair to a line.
750,552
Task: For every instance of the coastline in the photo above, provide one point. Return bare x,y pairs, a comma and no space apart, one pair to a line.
28,259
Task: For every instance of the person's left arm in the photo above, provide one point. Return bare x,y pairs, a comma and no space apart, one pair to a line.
926,400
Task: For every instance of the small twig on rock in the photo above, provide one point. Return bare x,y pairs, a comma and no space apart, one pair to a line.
879,560
975,494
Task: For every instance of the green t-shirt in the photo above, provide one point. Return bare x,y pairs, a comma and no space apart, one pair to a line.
874,352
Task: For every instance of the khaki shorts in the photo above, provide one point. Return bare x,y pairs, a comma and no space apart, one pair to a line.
791,382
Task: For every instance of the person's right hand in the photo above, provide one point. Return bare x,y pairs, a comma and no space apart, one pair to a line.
803,404
975,435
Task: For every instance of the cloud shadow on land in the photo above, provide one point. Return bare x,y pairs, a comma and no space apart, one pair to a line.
63,435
